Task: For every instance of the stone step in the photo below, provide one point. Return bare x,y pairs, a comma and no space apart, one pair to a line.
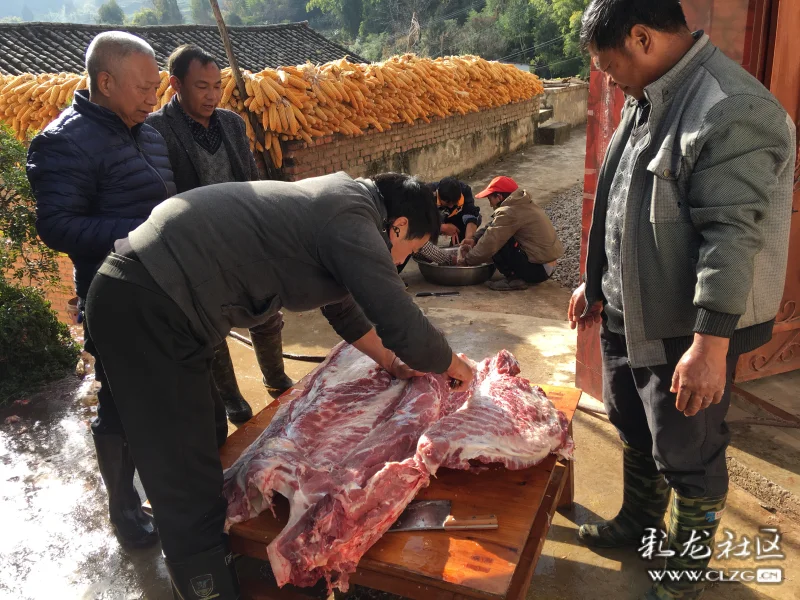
554,134
545,114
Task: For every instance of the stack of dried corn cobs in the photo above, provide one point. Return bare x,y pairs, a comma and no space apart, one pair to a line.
32,101
312,101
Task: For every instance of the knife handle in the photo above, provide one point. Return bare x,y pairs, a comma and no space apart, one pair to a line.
477,522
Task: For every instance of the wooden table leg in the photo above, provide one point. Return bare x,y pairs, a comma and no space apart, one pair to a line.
568,495
518,589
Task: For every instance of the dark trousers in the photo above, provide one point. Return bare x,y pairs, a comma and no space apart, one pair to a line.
512,262
160,374
689,451
107,420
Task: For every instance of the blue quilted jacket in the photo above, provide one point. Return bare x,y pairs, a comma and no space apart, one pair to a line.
95,180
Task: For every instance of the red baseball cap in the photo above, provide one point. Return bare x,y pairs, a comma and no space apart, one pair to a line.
500,184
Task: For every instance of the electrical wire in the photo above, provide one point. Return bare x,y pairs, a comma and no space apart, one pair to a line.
524,50
558,63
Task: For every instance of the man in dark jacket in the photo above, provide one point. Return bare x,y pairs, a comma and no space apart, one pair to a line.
685,267
97,172
460,216
209,145
231,255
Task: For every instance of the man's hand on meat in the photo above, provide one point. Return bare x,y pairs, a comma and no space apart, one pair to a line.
400,370
371,345
461,374
699,379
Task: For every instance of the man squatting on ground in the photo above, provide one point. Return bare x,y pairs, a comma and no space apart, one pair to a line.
520,239
96,172
460,219
209,145
687,256
232,255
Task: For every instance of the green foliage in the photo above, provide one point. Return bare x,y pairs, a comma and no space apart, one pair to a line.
34,346
234,19
146,16
23,256
259,12
111,13
372,46
201,12
168,12
543,33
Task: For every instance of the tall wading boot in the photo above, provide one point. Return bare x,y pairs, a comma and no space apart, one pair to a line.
269,354
132,526
645,498
693,524
236,406
209,574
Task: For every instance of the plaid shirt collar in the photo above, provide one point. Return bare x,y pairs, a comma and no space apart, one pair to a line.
209,139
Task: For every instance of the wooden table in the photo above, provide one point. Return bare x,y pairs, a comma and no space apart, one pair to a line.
487,565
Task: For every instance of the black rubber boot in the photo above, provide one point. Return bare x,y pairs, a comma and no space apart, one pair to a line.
269,354
132,526
210,574
645,498
236,406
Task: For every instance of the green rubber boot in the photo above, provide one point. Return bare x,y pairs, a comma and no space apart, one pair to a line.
693,523
645,499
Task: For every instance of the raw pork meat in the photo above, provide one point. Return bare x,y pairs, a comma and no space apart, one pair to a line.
355,447
504,420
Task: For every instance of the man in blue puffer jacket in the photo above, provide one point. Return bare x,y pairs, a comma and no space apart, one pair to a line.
97,172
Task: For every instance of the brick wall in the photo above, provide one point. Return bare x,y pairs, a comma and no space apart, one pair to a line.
60,294
432,150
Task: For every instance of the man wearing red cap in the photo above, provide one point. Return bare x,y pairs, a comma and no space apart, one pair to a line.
520,239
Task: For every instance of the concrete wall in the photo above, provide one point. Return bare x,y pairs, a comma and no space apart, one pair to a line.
430,150
569,103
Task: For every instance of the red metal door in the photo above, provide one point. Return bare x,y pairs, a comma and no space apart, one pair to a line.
741,29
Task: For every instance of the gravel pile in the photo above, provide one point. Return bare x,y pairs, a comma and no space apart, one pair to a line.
565,213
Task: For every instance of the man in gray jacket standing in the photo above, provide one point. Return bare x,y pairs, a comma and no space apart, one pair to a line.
685,268
209,145
232,255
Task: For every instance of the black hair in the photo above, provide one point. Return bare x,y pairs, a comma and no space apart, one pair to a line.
449,190
405,196
606,23
181,59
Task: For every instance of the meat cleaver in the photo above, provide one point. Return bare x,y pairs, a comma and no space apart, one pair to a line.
432,515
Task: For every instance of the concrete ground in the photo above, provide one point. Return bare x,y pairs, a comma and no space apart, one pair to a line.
56,540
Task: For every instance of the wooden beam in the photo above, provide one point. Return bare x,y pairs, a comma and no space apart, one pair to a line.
272,172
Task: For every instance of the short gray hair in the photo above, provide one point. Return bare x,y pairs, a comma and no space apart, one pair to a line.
109,48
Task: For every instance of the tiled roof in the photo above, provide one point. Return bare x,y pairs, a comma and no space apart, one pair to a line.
56,47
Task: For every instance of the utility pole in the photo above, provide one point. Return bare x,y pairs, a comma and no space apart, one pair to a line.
272,172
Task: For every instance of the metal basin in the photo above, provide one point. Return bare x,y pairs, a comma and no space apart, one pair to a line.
455,276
